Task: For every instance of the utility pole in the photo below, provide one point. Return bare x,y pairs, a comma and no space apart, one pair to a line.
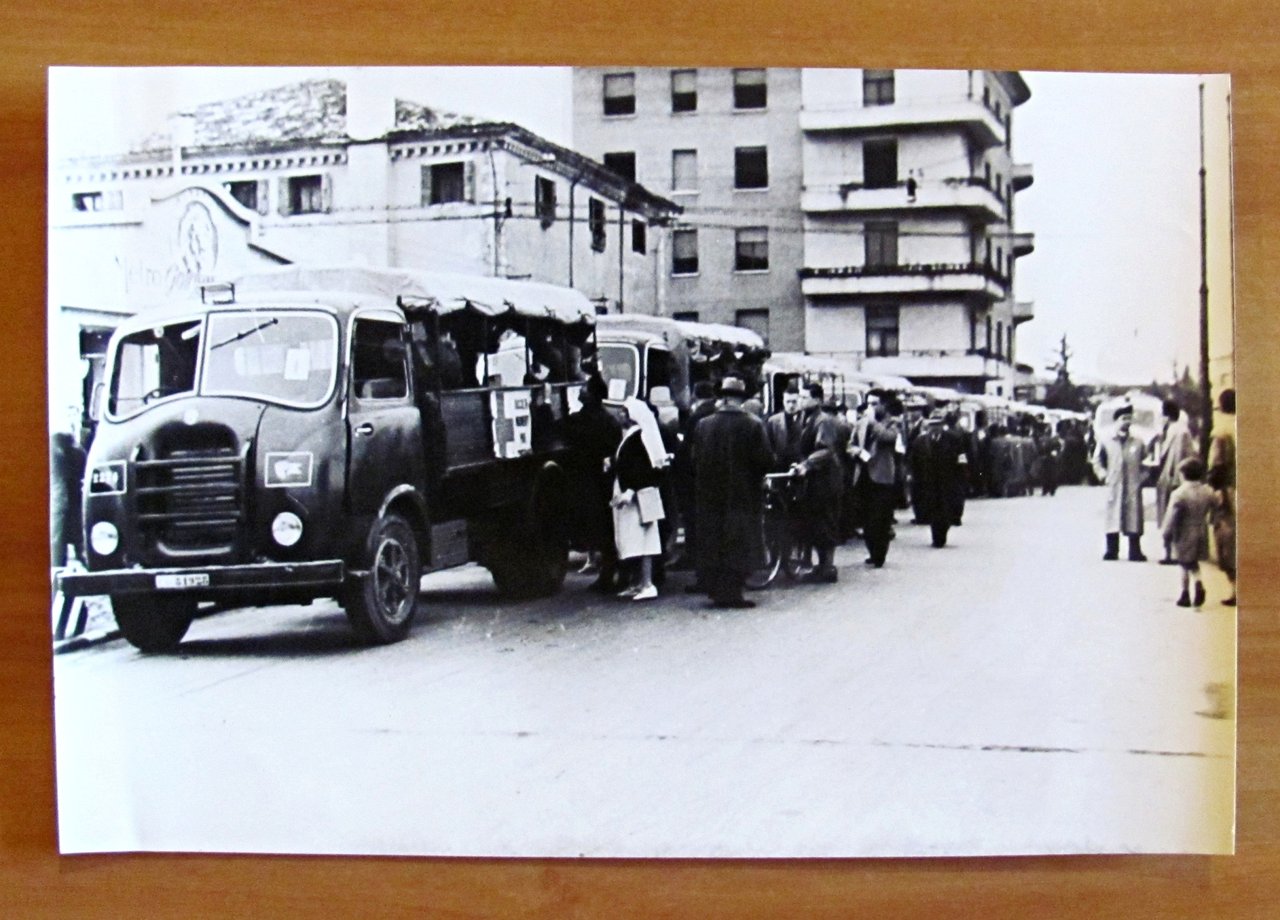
1206,395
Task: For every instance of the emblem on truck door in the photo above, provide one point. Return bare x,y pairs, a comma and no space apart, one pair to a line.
289,469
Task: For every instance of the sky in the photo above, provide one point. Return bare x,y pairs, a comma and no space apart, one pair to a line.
1114,206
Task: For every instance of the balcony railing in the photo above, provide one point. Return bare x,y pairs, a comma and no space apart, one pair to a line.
962,277
968,193
1023,244
967,111
981,269
1024,310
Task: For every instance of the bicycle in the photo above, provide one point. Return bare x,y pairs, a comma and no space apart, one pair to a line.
783,553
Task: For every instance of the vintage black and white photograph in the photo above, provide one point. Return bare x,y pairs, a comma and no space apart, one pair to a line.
641,462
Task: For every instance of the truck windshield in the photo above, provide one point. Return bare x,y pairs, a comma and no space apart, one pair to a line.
154,364
285,357
620,363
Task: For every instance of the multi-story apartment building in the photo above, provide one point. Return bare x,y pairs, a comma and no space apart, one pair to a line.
888,207
724,144
319,172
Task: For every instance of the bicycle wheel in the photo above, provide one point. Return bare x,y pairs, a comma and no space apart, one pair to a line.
767,572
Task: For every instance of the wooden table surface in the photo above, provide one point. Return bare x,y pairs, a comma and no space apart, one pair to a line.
1123,35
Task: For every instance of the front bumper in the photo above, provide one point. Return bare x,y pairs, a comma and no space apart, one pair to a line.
206,581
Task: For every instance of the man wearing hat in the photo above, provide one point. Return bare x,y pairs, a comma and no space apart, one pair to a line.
1118,463
821,445
731,456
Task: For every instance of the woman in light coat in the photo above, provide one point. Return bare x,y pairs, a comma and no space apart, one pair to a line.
637,504
1176,445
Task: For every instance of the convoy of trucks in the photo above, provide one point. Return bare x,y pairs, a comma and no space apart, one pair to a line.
338,432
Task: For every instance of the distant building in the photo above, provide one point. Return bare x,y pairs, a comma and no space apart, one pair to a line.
325,173
862,213
724,143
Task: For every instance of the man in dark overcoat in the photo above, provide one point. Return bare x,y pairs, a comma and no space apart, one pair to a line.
592,435
822,444
731,456
682,477
939,460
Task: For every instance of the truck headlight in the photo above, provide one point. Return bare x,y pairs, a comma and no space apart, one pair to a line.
286,529
104,538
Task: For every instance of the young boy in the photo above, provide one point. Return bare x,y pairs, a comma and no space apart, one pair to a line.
1185,526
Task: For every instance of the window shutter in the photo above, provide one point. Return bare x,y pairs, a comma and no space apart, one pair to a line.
282,186
326,193
263,192
469,188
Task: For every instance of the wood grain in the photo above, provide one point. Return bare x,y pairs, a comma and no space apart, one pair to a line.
1140,35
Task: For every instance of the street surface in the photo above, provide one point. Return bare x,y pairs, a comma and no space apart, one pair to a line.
1011,693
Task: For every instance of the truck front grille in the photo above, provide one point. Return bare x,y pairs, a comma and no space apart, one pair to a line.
191,500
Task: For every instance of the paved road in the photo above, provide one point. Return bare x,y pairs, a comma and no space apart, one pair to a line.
1011,693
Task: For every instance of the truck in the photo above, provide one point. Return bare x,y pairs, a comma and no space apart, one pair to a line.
661,359
312,432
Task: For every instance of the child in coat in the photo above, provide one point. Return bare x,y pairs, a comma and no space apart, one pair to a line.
1185,527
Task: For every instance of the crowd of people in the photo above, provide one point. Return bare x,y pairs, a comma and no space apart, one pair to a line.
857,468
1194,495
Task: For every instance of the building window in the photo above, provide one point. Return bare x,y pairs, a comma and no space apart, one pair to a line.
684,252
244,192
881,238
751,249
443,183
882,331
751,167
750,89
1000,339
619,94
595,222
684,90
755,320
639,234
305,194
877,87
880,164
988,336
684,170
986,96
97,201
544,200
622,164
687,316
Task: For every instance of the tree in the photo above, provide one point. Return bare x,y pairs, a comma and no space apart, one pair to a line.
1063,393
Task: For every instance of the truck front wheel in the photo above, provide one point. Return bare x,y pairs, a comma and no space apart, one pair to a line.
153,624
380,604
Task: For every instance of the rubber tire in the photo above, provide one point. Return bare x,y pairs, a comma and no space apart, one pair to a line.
153,624
535,560
380,605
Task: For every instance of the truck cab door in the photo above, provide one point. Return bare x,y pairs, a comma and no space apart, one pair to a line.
384,428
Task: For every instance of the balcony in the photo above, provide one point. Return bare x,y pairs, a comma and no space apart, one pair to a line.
1023,310
1022,176
1023,244
963,111
877,280
935,363
965,194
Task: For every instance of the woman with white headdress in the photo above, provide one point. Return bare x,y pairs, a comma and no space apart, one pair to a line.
637,504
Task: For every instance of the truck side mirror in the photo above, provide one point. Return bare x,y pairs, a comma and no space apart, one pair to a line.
95,400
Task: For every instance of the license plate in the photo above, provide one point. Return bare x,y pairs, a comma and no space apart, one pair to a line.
193,580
